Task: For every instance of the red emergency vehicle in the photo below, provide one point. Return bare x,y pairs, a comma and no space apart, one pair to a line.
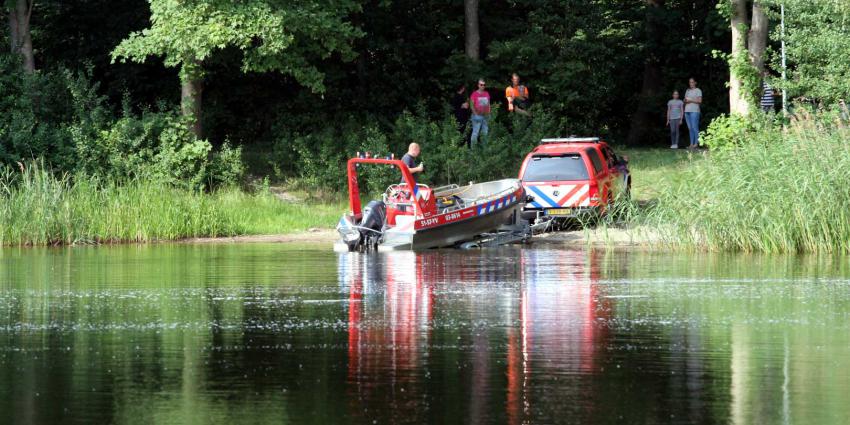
572,177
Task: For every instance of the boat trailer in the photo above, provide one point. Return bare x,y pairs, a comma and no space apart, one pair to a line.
520,231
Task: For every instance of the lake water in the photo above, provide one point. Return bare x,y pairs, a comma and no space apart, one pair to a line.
300,334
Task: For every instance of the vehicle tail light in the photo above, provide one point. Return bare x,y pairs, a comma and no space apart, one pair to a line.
593,194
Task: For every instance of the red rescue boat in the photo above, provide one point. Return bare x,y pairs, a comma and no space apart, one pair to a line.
416,216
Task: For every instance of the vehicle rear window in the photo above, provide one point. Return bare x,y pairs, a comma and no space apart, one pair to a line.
594,158
555,167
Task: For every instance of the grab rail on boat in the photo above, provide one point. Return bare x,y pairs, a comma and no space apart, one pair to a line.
446,187
489,197
396,185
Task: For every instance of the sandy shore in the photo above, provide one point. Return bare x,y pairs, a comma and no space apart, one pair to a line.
633,237
617,237
309,236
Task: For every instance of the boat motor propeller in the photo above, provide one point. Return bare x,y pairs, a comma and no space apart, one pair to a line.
366,235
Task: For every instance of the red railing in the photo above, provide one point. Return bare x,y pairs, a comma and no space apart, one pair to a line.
354,189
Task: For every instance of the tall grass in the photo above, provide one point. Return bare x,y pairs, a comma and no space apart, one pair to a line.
781,190
38,207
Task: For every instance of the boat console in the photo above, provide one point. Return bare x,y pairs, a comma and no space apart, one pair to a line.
400,200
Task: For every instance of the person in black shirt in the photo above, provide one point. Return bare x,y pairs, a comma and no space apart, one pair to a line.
409,160
460,107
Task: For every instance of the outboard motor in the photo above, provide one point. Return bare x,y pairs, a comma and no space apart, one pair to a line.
372,224
366,234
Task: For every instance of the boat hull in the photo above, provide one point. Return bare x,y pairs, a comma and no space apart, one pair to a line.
482,214
450,234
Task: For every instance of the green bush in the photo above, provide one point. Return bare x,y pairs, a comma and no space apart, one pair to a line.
726,131
156,145
58,116
730,131
320,156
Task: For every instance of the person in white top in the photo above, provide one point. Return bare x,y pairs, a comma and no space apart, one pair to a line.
693,100
674,118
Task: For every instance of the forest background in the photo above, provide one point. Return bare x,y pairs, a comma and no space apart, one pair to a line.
199,95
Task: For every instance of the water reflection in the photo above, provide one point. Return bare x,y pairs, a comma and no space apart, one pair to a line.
536,315
272,333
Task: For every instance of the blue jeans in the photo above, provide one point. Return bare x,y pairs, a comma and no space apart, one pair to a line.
692,119
479,126
674,131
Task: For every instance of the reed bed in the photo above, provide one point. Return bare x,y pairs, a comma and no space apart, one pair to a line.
785,190
38,207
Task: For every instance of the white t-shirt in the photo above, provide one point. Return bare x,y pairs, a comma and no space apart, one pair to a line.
675,106
692,94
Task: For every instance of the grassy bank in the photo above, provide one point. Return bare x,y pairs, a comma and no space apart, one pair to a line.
778,190
37,208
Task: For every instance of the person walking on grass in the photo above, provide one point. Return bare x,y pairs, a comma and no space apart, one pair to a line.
675,114
693,100
480,102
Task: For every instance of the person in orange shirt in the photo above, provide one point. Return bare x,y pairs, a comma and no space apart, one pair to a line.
517,95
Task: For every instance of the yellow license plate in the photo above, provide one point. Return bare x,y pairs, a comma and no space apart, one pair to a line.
559,211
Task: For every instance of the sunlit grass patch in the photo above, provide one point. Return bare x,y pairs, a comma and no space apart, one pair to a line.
38,207
654,171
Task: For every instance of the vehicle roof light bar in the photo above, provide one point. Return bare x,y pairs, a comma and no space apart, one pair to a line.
570,140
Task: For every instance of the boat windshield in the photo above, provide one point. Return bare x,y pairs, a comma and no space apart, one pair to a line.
555,168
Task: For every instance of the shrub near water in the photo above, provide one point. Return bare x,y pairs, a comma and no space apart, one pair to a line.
776,191
38,208
76,132
319,156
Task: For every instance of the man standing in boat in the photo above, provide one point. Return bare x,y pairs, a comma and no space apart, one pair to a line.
409,160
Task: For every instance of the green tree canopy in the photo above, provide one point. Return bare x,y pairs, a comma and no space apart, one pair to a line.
818,51
274,35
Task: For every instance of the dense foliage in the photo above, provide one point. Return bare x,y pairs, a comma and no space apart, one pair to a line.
290,89
320,154
59,117
817,49
374,65
272,35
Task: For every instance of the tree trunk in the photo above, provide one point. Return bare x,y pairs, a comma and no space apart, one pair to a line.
757,42
13,30
646,117
473,37
20,37
360,62
737,100
191,91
